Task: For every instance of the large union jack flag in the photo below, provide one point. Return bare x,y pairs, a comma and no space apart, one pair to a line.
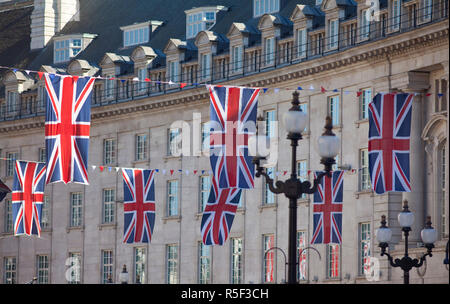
3,190
28,197
327,211
67,125
233,117
139,205
389,135
219,214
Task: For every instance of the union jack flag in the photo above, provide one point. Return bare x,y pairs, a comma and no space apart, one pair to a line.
219,214
28,197
327,213
3,190
233,117
389,134
139,205
67,125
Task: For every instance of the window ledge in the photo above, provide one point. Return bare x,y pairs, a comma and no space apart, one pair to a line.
107,225
241,210
361,121
141,161
364,192
172,218
169,157
79,228
268,206
337,128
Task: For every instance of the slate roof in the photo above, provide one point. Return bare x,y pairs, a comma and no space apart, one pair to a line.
105,17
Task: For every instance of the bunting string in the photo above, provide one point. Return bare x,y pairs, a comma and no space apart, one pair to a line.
187,172
311,88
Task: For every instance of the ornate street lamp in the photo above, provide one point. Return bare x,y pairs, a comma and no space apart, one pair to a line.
406,219
123,276
328,147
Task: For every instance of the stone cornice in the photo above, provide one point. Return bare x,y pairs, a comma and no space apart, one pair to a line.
316,66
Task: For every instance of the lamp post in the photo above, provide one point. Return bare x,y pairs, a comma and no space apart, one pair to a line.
123,276
406,219
328,146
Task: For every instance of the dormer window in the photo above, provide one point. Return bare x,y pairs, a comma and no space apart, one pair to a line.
67,47
201,19
261,7
139,33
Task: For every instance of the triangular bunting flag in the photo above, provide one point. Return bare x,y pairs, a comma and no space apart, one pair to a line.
182,85
40,74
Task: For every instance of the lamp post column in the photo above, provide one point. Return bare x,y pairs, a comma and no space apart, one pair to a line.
292,246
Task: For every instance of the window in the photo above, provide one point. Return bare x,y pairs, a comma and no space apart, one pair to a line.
269,258
301,244
302,172
135,36
42,269
364,25
206,65
42,95
205,186
237,58
174,142
107,266
172,198
10,270
75,268
364,177
108,205
204,263
269,49
76,209
142,74
427,9
302,43
141,147
199,21
270,119
66,49
174,70
364,99
333,251
333,109
8,216
364,247
269,196
395,14
333,33
42,155
45,216
172,264
205,137
12,102
261,7
109,86
109,151
11,158
236,261
139,265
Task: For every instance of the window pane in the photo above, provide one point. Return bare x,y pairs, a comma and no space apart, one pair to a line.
204,264
236,260
172,264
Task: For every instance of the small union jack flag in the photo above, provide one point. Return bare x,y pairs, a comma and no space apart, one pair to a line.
389,135
327,213
67,125
28,197
3,190
219,214
139,205
233,120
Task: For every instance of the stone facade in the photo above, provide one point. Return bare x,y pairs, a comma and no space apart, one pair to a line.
415,60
